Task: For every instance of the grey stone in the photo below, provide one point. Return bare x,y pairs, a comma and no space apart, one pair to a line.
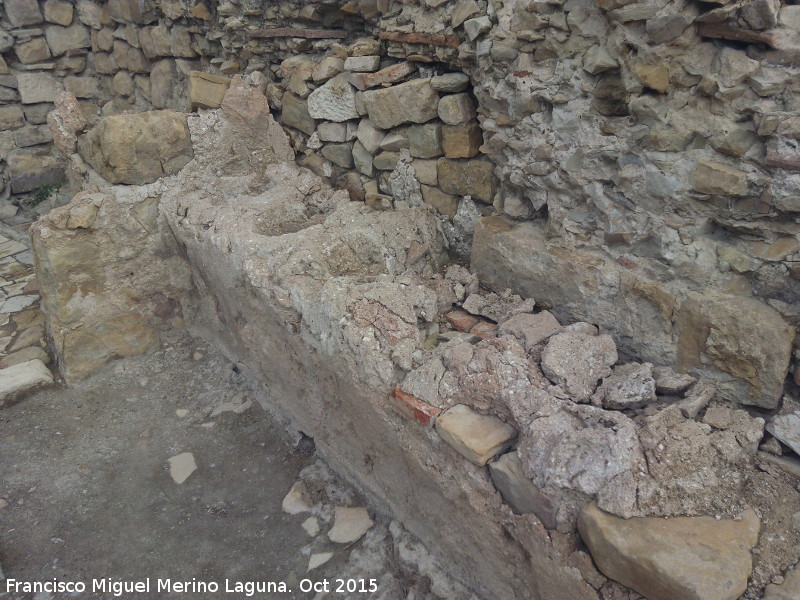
90,13
577,361
629,386
597,60
362,158
81,87
295,114
425,141
21,378
332,132
395,141
666,28
58,12
670,383
35,88
11,117
362,64
426,171
386,161
786,425
411,102
531,329
164,85
446,204
464,9
29,169
6,40
761,14
32,135
456,109
63,39
334,101
369,135
23,13
450,82
475,27
520,493
32,51
339,154
467,178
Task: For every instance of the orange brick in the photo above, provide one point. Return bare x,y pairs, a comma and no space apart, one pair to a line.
411,406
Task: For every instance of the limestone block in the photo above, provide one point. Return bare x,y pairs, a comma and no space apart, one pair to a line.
456,109
710,177
467,178
62,39
394,141
32,135
386,161
444,203
362,64
339,154
32,51
207,90
411,102
90,13
81,86
58,12
682,557
369,135
11,117
461,141
23,13
334,101
362,159
155,41
425,141
30,169
388,75
24,377
329,66
728,333
478,438
450,82
531,329
295,113
137,148
577,361
332,132
519,492
426,171
35,88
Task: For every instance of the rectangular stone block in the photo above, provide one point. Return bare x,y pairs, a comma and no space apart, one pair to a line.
11,117
206,90
467,178
476,437
410,102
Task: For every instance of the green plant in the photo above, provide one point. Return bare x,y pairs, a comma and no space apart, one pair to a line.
44,192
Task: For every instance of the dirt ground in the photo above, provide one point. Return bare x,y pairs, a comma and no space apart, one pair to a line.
86,492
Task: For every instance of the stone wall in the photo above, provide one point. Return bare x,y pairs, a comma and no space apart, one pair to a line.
658,138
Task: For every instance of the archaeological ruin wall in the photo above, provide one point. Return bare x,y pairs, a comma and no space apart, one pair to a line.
566,225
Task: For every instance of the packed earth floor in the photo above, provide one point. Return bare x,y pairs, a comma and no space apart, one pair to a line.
88,491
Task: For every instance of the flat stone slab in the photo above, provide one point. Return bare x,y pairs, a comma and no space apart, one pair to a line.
478,438
23,377
181,467
349,524
691,558
18,303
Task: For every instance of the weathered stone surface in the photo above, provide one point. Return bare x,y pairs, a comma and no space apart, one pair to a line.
331,132
362,64
461,141
66,121
329,66
32,51
22,13
655,77
519,492
531,329
181,467
297,500
386,161
478,438
369,135
349,524
598,60
362,159
29,170
411,102
62,39
728,333
155,41
450,82
665,559
668,27
444,203
25,355
788,590
334,101
58,12
391,74
339,154
32,136
456,109
710,177
90,13
464,9
137,148
629,386
467,178
11,117
21,378
206,90
577,361
38,87
122,84
670,383
426,171
81,86
425,141
786,425
295,113
475,27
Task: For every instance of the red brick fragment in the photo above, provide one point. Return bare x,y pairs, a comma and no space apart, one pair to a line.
422,412
461,320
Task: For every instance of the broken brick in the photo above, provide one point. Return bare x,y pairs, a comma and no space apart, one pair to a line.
422,412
